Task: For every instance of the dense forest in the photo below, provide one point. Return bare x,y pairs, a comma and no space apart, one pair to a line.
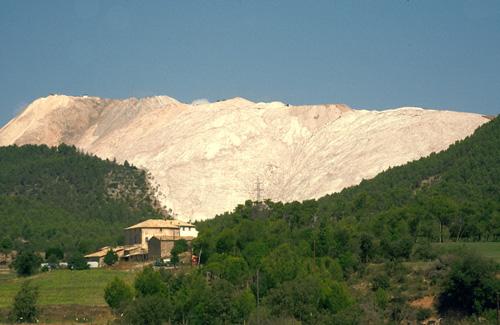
59,197
353,257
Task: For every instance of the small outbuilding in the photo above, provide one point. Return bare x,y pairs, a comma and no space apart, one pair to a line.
98,257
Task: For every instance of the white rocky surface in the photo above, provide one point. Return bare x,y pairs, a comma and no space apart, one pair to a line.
207,157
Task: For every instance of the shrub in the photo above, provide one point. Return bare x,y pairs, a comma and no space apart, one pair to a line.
470,286
54,251
380,281
180,246
110,258
77,262
423,314
152,310
118,294
26,263
381,298
24,308
6,245
174,259
149,282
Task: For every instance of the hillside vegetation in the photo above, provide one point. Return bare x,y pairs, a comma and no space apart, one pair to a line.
299,257
59,197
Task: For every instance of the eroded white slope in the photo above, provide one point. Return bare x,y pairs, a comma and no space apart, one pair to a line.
207,158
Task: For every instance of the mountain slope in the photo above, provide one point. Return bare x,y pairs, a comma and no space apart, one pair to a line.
364,234
62,198
457,190
207,158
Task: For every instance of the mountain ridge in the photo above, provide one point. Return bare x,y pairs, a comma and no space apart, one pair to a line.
207,157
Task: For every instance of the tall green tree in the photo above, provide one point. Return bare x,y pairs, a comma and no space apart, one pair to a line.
25,309
27,263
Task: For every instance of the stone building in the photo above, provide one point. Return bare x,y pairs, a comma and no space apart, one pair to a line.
140,233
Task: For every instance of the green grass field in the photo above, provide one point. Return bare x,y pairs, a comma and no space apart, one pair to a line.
487,249
64,287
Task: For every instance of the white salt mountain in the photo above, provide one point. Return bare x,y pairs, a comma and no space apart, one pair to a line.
207,158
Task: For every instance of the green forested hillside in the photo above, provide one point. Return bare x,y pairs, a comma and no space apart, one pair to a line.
299,257
458,189
448,196
59,197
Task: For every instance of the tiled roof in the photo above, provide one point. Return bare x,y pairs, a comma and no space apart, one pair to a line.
154,223
161,223
171,238
103,251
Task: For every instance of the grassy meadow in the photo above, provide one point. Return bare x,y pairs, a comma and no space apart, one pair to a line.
487,249
64,287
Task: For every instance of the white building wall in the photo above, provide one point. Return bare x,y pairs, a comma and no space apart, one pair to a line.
188,231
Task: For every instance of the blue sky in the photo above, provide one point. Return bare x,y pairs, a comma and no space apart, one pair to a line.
367,54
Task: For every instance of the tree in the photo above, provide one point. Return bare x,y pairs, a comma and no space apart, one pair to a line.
366,247
180,246
226,241
471,285
243,305
234,269
24,308
26,263
149,282
282,264
54,251
77,262
443,209
6,245
110,258
118,294
174,258
148,310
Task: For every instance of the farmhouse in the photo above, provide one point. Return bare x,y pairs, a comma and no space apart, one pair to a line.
150,239
140,233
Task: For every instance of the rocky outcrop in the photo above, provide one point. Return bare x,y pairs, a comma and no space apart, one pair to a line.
208,157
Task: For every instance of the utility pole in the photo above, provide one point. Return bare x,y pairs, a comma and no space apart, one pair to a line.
258,189
256,209
258,298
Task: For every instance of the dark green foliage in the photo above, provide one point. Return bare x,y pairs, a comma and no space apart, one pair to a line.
148,282
309,298
471,285
180,246
288,247
54,251
381,298
243,305
110,258
148,310
27,263
6,245
450,195
380,281
174,259
423,314
59,197
77,262
53,261
24,309
118,294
